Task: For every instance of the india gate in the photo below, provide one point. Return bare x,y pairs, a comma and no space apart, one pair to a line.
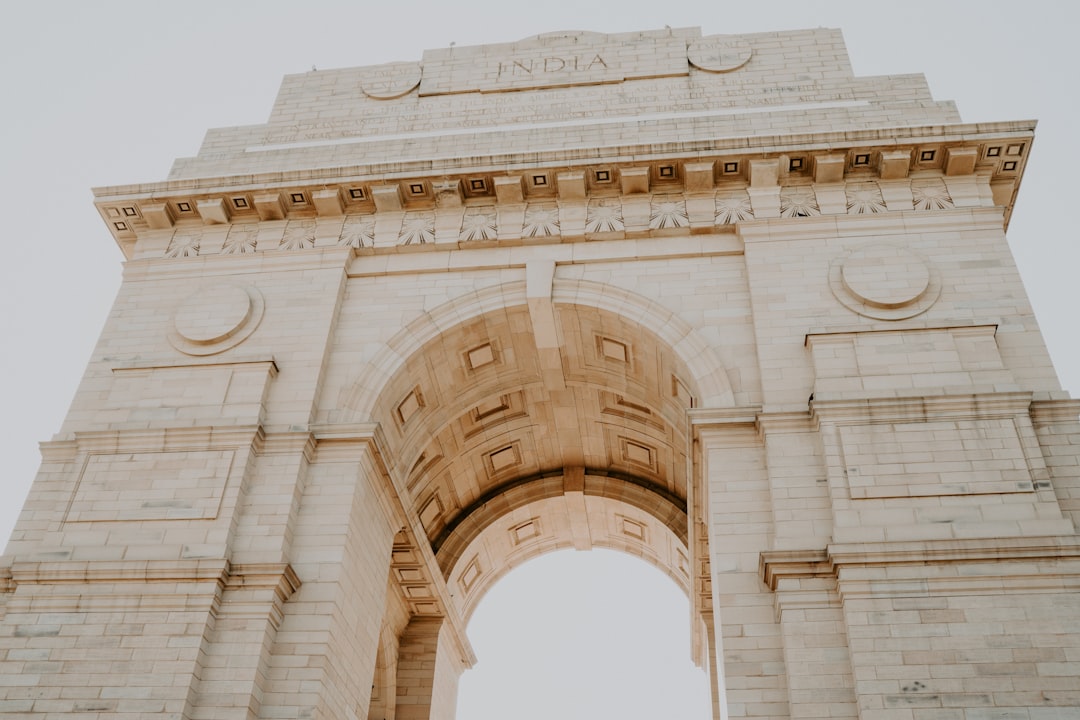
712,301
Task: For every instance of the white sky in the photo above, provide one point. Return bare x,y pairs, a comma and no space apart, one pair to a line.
104,93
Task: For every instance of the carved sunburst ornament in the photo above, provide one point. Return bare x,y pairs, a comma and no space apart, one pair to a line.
865,198
418,228
604,216
478,224
184,245
299,236
241,240
733,209
798,202
358,232
541,221
931,195
668,214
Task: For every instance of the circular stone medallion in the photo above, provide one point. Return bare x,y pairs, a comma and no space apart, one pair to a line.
214,315
719,53
883,281
390,81
215,319
885,276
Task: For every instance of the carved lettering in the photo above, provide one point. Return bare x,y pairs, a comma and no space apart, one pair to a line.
525,67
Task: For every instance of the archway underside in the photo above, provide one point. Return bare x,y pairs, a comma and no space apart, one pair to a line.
574,509
522,431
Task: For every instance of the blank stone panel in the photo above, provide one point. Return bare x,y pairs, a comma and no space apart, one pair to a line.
908,360
185,485
226,394
949,457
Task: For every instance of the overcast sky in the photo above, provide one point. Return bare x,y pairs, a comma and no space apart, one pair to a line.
105,93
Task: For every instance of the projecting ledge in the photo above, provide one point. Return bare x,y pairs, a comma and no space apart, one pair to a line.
774,565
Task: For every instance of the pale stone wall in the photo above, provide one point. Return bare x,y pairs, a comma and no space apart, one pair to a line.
711,301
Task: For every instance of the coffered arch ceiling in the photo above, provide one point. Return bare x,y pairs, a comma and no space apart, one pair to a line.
506,453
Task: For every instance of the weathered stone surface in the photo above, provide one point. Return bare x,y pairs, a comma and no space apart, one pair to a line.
715,302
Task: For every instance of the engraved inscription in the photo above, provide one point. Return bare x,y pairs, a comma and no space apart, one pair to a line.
529,66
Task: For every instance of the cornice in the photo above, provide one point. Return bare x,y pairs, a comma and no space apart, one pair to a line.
761,145
120,571
968,165
258,589
920,407
965,550
1054,410
833,560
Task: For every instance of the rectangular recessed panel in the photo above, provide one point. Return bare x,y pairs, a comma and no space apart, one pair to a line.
492,411
638,454
426,609
408,407
525,531
491,407
613,350
682,563
682,393
470,574
431,511
505,458
948,457
410,575
632,528
612,404
185,485
417,591
480,356
403,557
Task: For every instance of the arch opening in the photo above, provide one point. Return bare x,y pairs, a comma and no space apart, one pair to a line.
579,509
583,635
519,432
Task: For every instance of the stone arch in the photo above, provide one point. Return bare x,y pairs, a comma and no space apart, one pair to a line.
512,427
708,373
610,510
